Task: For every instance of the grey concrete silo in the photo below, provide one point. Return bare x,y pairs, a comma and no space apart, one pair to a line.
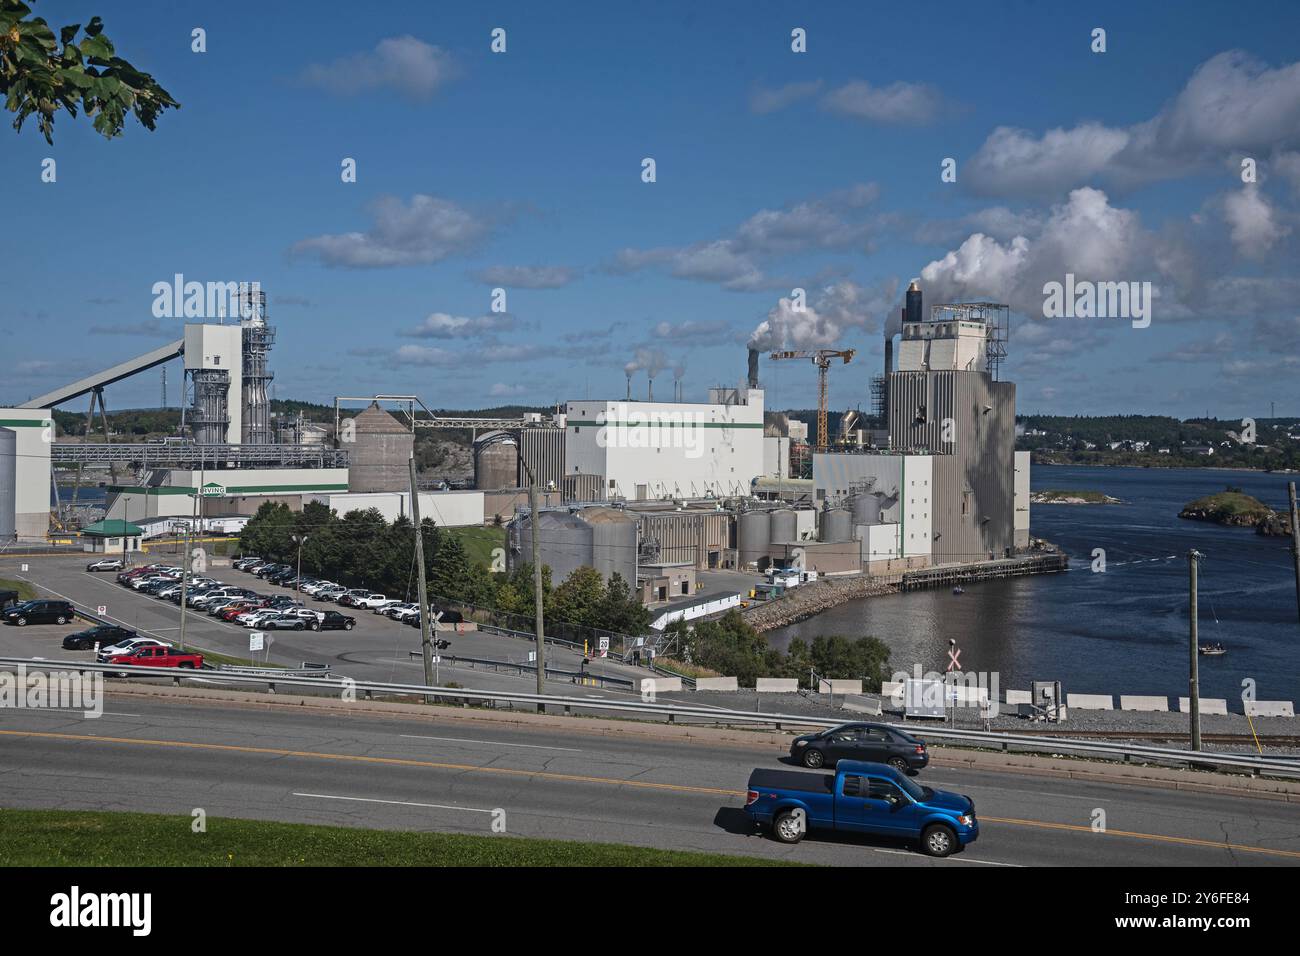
378,452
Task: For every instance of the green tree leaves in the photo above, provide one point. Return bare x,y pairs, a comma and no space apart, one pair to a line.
41,74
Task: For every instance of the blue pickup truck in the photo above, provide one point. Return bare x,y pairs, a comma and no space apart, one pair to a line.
860,798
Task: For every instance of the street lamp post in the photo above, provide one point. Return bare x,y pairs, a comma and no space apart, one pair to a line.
299,539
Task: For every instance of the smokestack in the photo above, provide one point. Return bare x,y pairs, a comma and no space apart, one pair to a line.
913,311
753,368
889,367
650,386
629,388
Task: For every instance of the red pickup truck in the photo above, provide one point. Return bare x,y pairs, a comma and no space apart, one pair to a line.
156,656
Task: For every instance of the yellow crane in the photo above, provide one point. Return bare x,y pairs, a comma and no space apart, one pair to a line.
822,359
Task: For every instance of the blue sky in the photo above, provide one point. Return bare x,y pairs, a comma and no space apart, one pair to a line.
774,170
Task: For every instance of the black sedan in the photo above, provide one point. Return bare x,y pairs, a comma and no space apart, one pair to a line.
874,743
101,634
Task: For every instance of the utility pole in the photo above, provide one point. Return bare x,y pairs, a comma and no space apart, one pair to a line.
185,581
1193,682
425,646
299,540
1295,541
535,533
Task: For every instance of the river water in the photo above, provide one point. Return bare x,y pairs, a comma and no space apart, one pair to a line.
1124,631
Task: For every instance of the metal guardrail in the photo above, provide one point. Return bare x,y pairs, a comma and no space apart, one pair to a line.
577,677
1255,764
272,672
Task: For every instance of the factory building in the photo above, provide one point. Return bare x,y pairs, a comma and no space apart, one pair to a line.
662,450
26,436
170,492
447,509
945,399
886,499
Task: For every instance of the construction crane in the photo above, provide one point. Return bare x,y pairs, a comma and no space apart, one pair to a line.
822,359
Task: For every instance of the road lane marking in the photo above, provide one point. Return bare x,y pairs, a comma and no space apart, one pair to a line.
949,859
359,758
579,778
491,743
1186,841
395,803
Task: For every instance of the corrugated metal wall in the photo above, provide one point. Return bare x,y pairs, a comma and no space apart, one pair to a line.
974,473
543,450
684,536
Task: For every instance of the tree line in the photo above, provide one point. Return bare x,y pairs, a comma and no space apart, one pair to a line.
362,549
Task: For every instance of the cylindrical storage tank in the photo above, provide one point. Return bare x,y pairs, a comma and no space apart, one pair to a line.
753,536
866,509
784,526
8,484
837,525
378,453
496,461
613,543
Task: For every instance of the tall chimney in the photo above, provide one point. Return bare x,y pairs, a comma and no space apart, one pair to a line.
629,388
913,311
889,367
650,385
753,368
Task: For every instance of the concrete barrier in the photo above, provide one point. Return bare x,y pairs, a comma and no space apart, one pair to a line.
659,685
715,683
778,685
1090,701
1149,704
863,705
834,686
1270,708
1209,705
1015,697
893,691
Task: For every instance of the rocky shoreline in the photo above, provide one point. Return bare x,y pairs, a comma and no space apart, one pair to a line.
811,599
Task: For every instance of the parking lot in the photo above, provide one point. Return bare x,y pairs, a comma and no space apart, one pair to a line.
377,648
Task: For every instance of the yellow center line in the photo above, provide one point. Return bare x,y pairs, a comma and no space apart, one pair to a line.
609,781
359,758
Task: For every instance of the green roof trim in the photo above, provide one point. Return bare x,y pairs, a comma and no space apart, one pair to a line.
231,490
25,422
113,528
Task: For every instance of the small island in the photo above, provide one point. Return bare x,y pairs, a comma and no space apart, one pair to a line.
1056,496
1235,508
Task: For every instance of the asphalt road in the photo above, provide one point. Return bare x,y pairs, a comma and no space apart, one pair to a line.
377,649
448,774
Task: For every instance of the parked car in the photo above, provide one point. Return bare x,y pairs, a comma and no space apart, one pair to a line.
876,743
40,611
383,607
402,611
155,655
369,602
101,635
333,621
244,562
283,622
332,593
127,646
105,564
869,798
255,618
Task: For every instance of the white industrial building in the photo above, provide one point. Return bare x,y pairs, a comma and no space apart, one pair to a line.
447,509
651,450
222,491
26,435
889,498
